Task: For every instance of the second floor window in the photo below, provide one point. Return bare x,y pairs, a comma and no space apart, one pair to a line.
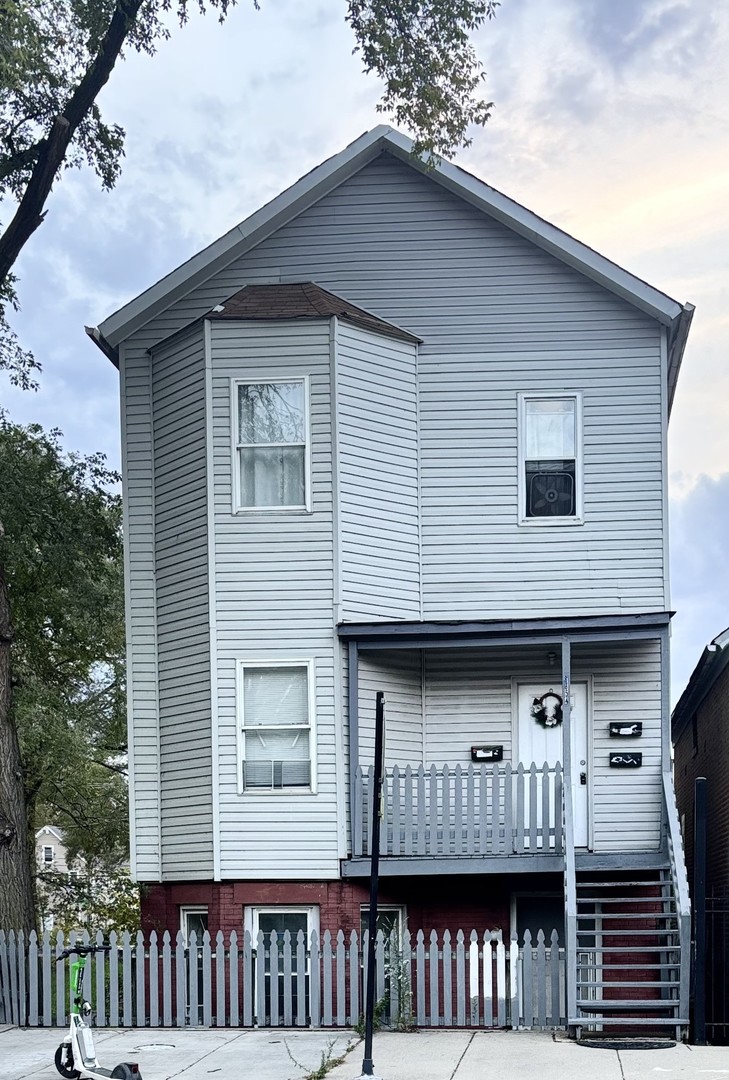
550,454
271,434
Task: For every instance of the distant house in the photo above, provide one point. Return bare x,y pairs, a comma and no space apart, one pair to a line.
50,850
396,432
700,733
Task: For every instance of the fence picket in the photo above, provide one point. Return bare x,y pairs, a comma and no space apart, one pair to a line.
341,954
509,846
541,981
288,1004
547,835
301,970
4,978
113,980
207,981
153,980
233,980
220,956
488,981
260,980
166,980
501,983
558,827
420,976
33,979
180,980
527,984
434,996
447,959
457,831
533,809
473,980
396,824
460,980
408,816
127,1018
22,991
555,969
514,980
444,831
248,962
379,965
520,810
327,979
193,961
353,979
46,979
139,957
13,965
357,815
315,980
60,983
273,966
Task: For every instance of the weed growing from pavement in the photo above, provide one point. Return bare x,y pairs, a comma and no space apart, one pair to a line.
327,1062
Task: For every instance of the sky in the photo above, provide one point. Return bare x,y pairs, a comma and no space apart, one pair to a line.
611,120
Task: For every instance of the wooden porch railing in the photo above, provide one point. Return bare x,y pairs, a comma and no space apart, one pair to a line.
459,812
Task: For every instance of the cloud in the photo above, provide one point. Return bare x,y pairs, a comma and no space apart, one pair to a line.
700,573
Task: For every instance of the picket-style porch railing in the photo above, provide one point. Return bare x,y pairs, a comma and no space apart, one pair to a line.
448,980
460,812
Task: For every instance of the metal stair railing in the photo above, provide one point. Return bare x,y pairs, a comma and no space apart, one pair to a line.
679,879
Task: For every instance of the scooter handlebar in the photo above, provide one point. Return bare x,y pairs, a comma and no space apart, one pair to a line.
82,950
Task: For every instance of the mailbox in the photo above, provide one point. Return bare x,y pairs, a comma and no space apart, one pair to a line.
487,753
626,730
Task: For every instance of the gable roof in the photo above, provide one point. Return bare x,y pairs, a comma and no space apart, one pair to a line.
329,175
302,300
713,662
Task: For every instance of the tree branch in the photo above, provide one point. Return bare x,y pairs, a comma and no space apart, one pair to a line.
52,150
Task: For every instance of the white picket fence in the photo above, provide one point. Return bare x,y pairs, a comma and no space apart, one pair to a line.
452,980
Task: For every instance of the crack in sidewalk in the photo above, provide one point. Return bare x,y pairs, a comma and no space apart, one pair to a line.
228,1042
465,1051
620,1063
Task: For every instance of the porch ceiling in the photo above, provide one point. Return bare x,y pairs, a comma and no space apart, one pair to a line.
403,635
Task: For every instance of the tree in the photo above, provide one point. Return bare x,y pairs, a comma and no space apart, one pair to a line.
62,730
57,55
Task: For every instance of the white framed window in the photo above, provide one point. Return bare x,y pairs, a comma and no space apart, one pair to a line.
193,917
281,917
271,444
277,726
47,855
550,458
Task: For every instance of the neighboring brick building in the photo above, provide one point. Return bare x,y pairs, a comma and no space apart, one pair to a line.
700,735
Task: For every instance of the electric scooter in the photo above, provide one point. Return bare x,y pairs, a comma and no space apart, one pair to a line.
76,1056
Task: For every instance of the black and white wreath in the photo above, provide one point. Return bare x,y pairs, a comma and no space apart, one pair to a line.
547,709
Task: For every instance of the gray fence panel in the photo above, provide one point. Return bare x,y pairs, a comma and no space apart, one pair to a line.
420,977
47,979
447,958
434,987
314,980
341,962
288,1012
527,985
60,983
139,958
488,982
326,956
99,959
461,992
248,1010
127,1016
193,967
541,981
180,979
353,979
33,979
260,979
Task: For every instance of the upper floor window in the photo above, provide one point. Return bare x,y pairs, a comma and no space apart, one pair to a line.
47,854
276,704
550,458
271,445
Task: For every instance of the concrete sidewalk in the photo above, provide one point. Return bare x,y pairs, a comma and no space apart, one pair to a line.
242,1054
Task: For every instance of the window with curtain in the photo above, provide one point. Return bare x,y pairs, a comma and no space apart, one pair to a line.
277,727
550,457
271,444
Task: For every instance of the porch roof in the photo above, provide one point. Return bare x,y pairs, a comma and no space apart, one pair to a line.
401,635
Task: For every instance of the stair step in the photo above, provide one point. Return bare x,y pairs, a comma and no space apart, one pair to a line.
646,1021
654,883
627,932
627,915
625,900
605,965
640,984
629,1005
632,949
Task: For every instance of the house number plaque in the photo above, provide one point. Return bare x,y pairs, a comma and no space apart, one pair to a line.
626,759
627,731
487,753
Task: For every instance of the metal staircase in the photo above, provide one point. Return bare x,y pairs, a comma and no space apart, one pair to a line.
628,951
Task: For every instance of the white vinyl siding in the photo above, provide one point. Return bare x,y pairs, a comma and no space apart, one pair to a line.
274,588
183,642
496,315
378,476
399,675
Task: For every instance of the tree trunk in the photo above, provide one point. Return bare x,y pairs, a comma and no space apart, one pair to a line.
16,872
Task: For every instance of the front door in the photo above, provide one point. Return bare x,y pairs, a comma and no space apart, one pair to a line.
539,742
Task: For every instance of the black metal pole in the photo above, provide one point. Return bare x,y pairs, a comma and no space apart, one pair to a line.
367,1063
699,900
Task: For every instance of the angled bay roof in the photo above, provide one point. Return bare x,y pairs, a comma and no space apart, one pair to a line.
329,175
303,300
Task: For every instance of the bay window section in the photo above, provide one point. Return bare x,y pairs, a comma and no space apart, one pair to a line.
277,726
271,445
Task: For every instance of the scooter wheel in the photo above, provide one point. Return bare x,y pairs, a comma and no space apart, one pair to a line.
123,1072
64,1062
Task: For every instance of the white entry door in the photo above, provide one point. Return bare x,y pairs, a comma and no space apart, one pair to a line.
538,744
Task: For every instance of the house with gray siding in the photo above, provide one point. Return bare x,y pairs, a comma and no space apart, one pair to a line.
394,432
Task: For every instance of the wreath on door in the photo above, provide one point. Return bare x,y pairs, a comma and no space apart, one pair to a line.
547,709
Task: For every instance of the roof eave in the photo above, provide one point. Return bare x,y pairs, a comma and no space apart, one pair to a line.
712,663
